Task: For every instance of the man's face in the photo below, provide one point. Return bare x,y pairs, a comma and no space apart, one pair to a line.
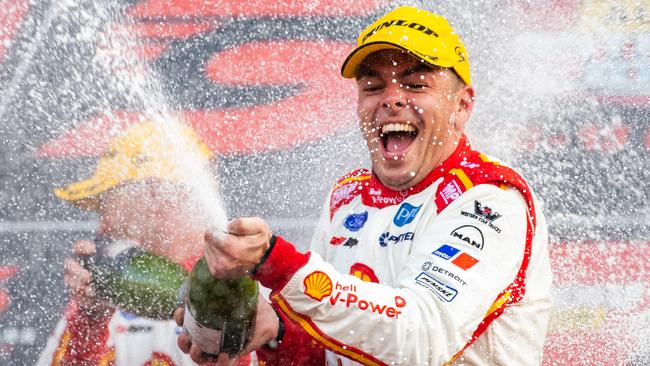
123,213
411,115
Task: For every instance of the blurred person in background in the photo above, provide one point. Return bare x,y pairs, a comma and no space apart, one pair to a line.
439,255
139,195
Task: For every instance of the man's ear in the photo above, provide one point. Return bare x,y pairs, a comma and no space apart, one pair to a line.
464,107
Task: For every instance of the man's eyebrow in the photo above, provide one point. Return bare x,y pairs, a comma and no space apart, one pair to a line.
416,69
366,72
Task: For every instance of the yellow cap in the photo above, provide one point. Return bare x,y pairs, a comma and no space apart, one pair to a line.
426,35
141,152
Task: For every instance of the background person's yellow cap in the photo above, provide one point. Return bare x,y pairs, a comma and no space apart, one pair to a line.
424,34
141,152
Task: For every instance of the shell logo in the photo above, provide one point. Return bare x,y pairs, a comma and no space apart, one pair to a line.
363,272
318,285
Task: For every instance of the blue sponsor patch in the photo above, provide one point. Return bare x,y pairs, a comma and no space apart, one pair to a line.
405,214
446,251
354,222
128,316
388,238
443,291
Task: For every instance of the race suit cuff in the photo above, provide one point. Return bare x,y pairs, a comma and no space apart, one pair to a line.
294,347
281,264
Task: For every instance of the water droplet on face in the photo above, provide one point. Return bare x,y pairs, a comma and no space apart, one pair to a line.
412,174
394,81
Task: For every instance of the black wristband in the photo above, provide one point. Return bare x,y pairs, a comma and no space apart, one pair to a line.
265,256
278,339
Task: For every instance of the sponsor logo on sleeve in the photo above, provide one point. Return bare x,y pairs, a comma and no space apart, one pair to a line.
485,211
354,222
459,258
319,286
450,192
428,266
467,164
347,242
470,235
405,214
388,238
483,214
343,192
444,292
363,272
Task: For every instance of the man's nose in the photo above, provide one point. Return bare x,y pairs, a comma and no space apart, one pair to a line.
394,99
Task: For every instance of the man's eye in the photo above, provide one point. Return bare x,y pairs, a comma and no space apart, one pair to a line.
371,87
416,86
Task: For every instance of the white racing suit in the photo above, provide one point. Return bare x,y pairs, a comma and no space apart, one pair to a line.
454,270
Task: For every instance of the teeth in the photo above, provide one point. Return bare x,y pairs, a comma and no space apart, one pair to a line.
397,127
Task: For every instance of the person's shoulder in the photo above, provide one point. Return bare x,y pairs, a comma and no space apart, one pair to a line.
347,187
478,169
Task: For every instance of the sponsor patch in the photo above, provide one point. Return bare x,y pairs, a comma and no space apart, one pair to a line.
450,192
363,272
444,292
388,238
405,214
348,296
428,266
354,222
485,211
317,285
337,240
470,235
343,192
461,259
484,215
446,251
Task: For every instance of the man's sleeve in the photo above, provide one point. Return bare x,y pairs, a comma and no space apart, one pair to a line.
296,346
446,287
79,339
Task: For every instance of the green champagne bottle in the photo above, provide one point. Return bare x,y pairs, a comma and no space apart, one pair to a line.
219,313
135,280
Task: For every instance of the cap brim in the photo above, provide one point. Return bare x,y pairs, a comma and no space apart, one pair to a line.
355,58
84,194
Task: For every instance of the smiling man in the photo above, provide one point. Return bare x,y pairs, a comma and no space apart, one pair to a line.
438,255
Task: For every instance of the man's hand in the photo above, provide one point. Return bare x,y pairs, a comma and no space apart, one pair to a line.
79,280
265,330
236,253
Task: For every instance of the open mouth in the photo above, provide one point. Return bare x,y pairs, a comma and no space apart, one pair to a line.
397,137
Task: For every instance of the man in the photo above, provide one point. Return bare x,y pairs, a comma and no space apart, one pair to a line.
142,193
437,256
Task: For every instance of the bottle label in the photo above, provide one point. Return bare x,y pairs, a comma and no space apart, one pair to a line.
208,340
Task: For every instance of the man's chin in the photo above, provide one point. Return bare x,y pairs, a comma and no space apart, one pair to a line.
395,180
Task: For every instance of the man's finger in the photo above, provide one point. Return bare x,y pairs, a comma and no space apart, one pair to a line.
183,342
246,226
179,313
198,356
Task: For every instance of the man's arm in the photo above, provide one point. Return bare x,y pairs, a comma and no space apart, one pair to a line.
81,335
